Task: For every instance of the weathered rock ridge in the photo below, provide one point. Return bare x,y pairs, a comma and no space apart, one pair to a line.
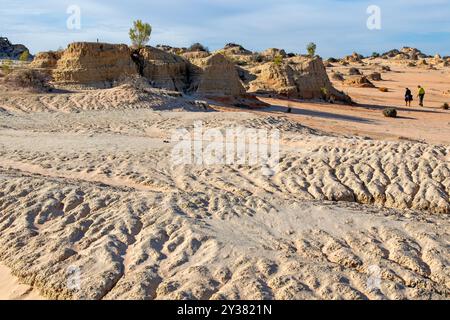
11,51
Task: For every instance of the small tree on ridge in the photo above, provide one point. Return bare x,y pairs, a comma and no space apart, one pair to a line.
140,33
311,49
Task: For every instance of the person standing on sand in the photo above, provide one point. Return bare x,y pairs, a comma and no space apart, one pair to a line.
408,97
421,95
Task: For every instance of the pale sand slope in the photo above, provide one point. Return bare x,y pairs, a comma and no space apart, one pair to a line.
96,190
123,97
12,289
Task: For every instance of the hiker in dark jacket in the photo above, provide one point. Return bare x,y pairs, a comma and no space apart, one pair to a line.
408,97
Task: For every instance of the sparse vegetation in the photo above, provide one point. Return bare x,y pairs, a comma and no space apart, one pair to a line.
28,79
324,92
390,112
140,34
383,89
311,48
445,106
337,76
24,56
179,51
375,55
6,67
198,47
278,59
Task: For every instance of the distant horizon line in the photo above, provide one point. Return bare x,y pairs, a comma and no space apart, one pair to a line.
214,50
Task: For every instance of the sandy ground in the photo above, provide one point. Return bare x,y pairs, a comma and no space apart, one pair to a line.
12,289
429,124
93,207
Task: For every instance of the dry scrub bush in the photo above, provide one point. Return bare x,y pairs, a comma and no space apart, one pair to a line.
390,113
29,79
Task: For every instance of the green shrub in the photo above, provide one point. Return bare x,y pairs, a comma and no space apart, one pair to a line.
324,92
6,67
24,56
390,112
140,34
311,48
278,59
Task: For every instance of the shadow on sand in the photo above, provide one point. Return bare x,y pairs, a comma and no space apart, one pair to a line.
319,114
406,109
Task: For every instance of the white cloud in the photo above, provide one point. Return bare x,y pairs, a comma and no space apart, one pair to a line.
337,26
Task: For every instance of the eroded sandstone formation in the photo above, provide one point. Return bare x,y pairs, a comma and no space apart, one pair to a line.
299,77
359,82
164,69
355,57
199,72
46,60
216,76
94,64
406,53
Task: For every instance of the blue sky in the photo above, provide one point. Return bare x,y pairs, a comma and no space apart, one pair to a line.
338,27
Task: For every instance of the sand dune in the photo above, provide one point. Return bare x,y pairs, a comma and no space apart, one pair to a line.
122,97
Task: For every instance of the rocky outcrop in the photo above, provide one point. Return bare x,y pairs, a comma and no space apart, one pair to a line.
390,54
11,51
299,77
271,53
359,82
164,69
170,49
215,76
236,49
46,60
406,53
337,76
413,53
354,72
96,64
238,54
375,76
355,57
193,55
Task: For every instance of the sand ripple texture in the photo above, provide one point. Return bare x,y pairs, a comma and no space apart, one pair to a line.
341,218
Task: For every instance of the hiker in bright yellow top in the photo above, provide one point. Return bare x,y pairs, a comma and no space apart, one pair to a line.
421,95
